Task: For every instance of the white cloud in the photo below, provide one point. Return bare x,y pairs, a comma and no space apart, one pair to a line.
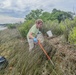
21,5
34,4
24,6
7,19
6,3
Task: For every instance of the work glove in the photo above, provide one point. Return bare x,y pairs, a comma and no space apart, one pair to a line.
35,40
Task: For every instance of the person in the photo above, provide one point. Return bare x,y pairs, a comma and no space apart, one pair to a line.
35,34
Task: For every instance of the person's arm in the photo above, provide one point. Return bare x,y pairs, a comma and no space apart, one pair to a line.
31,36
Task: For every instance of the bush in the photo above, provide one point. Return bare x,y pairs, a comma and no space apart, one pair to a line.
57,29
24,28
54,26
72,36
11,26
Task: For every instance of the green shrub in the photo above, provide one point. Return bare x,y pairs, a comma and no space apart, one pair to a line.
72,36
11,26
57,29
67,28
74,21
54,26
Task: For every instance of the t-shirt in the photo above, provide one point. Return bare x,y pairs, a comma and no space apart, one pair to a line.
33,30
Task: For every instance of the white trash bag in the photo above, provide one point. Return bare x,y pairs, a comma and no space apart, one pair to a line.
40,37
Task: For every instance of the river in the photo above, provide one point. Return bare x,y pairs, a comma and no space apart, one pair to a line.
2,28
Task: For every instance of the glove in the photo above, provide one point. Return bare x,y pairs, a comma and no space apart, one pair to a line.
35,40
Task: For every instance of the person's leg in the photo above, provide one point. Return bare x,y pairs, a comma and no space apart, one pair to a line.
31,44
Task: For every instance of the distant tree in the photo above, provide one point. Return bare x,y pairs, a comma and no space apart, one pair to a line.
55,15
34,14
11,26
55,10
60,15
45,16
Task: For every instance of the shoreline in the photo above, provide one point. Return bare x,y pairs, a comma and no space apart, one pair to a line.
2,28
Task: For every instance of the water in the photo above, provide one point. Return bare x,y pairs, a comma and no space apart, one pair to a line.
2,28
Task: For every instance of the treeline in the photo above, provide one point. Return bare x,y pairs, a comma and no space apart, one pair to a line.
59,22
55,14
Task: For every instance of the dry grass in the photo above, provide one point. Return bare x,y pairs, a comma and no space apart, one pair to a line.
23,62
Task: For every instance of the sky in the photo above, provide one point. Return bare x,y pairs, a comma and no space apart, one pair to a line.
20,8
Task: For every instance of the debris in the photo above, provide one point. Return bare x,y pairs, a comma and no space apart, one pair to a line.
3,62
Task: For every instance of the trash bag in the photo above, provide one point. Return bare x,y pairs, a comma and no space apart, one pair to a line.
40,37
3,62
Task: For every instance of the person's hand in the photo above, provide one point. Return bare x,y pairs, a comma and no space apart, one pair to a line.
35,40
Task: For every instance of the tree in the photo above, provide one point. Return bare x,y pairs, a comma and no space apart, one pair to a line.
56,14
60,15
34,14
45,16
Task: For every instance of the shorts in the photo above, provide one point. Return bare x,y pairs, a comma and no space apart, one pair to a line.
31,42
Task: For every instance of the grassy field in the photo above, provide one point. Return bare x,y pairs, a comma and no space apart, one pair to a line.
23,62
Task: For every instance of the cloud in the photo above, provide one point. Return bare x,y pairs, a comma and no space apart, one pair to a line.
35,4
6,3
6,19
19,8
22,5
